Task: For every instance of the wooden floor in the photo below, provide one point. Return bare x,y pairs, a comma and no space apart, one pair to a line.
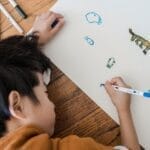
76,112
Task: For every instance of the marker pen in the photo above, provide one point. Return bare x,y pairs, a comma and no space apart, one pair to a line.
18,9
145,94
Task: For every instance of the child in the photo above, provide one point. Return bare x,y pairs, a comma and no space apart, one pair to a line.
27,116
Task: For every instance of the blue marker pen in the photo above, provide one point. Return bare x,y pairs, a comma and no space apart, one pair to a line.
145,94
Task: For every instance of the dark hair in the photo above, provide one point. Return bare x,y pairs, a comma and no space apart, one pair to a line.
20,60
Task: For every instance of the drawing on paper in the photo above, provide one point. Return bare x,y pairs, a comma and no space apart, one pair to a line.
102,84
89,40
140,41
93,17
110,63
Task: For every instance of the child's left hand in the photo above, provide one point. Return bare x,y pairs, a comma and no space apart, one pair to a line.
120,100
43,26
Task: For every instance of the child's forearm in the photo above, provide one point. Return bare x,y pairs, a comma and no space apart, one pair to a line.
128,134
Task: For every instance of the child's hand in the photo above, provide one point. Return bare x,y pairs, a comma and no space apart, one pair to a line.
43,26
120,100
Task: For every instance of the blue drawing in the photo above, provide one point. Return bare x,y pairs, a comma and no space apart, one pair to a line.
93,17
111,61
89,40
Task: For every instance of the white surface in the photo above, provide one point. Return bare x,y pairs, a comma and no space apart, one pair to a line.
86,65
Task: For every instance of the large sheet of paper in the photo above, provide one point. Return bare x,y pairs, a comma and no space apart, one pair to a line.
97,31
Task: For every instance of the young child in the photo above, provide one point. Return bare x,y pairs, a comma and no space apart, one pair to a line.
27,116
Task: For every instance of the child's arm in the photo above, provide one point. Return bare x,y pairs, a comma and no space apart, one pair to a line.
122,103
46,26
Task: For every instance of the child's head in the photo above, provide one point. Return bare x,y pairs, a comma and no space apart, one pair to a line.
23,94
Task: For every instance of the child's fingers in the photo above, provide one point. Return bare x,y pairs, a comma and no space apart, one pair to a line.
118,81
109,88
51,19
45,15
59,15
58,26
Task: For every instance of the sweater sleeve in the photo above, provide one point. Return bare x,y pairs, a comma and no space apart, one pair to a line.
73,142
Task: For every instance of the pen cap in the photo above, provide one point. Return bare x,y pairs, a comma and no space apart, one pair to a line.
21,12
146,94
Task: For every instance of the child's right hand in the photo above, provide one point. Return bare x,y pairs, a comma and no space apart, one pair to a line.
43,26
120,100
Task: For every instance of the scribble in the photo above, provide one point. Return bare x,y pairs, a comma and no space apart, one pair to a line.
93,17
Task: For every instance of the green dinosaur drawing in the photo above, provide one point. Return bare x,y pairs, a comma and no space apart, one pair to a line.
140,41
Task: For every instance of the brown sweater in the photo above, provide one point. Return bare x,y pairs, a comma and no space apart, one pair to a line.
33,138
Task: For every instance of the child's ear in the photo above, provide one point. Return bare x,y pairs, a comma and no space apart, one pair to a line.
16,105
